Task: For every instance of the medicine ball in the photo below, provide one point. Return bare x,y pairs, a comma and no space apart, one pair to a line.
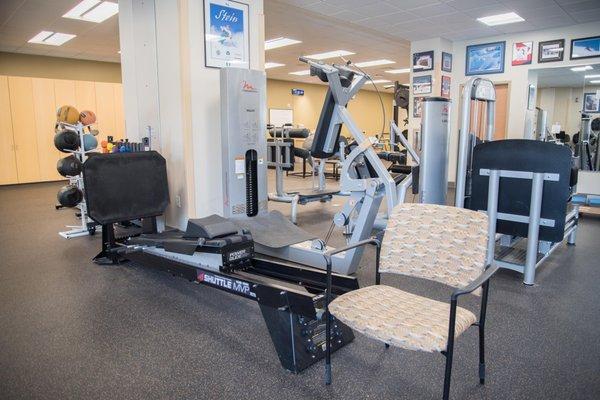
68,114
89,142
94,132
69,166
66,140
69,196
87,117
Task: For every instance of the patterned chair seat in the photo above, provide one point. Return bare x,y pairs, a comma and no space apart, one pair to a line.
399,318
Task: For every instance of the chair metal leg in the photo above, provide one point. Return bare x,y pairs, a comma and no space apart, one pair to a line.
484,300
449,349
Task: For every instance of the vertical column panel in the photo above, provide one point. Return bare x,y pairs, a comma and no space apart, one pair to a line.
8,162
24,131
45,119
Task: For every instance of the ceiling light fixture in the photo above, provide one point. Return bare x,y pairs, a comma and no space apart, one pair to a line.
273,65
501,19
280,42
592,76
596,81
398,71
93,11
373,63
583,68
330,54
301,73
51,38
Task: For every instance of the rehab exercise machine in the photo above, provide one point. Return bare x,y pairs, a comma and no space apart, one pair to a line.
524,185
280,156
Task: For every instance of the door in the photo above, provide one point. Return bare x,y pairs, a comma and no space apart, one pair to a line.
45,119
8,162
500,117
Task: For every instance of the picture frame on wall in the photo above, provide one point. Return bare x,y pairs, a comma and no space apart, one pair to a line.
588,47
423,61
487,58
551,50
445,90
531,97
417,104
446,62
591,103
522,53
422,84
226,34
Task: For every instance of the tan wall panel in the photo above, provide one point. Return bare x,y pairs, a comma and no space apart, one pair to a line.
45,118
119,111
105,110
64,93
8,162
24,131
85,95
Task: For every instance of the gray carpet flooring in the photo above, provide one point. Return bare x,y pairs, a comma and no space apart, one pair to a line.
70,329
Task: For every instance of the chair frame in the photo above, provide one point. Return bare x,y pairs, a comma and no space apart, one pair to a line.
481,281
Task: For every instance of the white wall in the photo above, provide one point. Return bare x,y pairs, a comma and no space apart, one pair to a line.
517,77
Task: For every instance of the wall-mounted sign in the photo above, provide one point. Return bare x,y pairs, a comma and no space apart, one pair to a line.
227,42
298,92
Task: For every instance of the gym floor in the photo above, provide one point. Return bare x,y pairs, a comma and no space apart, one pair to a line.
73,329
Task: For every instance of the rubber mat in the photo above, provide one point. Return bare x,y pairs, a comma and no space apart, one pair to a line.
273,230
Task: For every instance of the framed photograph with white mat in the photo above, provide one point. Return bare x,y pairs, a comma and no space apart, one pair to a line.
226,34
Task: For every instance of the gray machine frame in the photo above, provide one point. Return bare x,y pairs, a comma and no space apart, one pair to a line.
482,91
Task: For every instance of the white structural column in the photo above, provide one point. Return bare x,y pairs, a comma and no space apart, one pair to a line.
167,87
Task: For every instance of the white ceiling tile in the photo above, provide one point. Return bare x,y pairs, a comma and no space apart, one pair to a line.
376,9
453,18
462,5
432,11
410,4
548,11
409,25
488,10
348,16
586,16
528,4
581,6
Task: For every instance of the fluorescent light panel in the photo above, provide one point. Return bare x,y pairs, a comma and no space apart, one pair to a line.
596,81
373,63
583,68
93,11
331,54
501,19
398,71
273,65
301,73
592,76
280,42
51,38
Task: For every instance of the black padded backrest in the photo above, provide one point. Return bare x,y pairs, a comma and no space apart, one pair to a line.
320,138
514,195
125,186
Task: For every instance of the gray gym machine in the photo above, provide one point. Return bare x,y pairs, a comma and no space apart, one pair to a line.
507,252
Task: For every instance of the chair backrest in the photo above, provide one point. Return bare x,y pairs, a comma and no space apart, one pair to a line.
440,243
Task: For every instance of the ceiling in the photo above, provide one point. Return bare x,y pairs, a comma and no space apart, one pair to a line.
564,77
451,19
20,20
373,29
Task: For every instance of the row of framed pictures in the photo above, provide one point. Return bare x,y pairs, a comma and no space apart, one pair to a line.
423,61
422,85
488,58
591,103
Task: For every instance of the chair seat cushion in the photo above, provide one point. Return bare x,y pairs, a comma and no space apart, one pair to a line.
399,318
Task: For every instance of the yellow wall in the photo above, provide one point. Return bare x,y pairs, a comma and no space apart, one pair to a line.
59,68
365,108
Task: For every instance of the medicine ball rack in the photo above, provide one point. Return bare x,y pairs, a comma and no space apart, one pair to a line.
87,226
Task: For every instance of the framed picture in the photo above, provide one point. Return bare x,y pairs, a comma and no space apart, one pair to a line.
422,84
226,34
522,53
552,50
446,62
585,48
591,103
531,97
417,103
485,58
423,61
445,92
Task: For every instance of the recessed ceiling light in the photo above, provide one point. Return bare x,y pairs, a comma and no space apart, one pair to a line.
51,38
580,69
398,71
300,73
330,54
119,51
280,42
592,76
380,81
93,11
373,63
273,65
596,81
501,19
